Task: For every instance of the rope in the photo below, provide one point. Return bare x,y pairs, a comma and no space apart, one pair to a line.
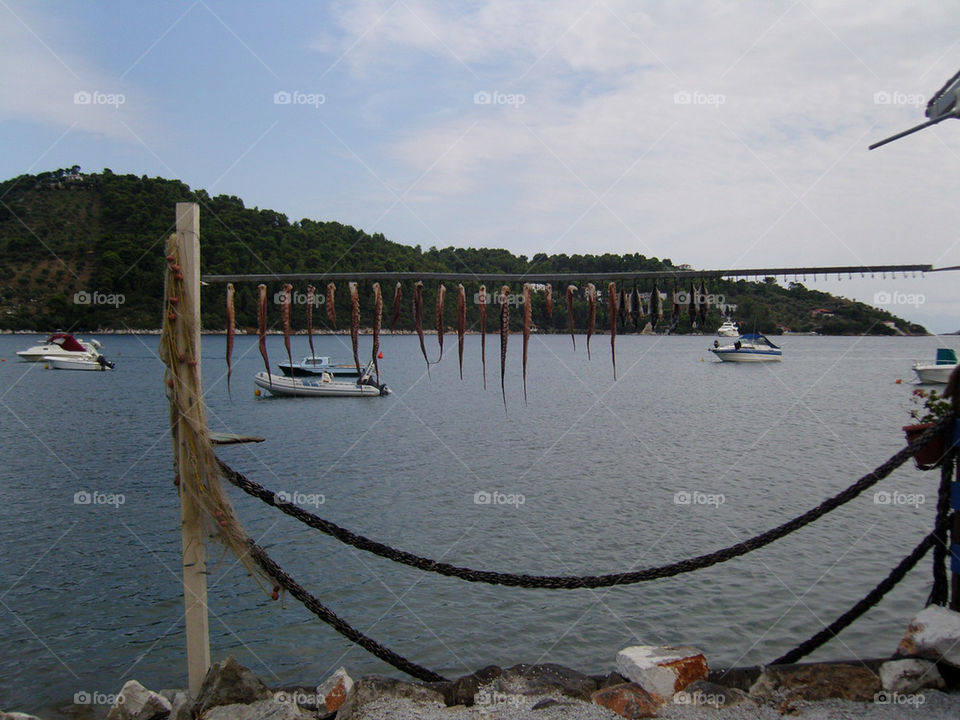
557,582
266,563
939,595
871,599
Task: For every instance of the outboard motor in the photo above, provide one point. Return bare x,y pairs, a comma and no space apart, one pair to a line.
104,363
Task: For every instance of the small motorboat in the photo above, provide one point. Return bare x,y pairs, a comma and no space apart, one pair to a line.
752,347
98,364
317,365
728,329
938,371
61,345
322,385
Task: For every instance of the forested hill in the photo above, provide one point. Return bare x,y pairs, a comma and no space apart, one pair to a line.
83,251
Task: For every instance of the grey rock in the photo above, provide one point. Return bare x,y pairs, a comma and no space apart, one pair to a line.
935,634
135,702
462,690
371,688
180,706
229,683
707,694
544,679
259,710
907,676
17,716
818,682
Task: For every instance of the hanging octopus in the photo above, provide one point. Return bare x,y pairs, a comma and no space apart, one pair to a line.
397,300
331,308
482,302
377,320
311,295
613,299
418,319
231,322
527,311
262,328
592,313
504,334
571,289
461,322
355,323
441,297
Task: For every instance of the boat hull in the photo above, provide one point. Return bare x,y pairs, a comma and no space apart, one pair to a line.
314,386
75,363
747,356
933,374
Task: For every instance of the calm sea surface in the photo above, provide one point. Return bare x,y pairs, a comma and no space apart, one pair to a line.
90,594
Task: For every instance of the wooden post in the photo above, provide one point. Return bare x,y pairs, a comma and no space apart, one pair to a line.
187,416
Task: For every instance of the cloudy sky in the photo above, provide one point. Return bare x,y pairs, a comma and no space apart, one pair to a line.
719,134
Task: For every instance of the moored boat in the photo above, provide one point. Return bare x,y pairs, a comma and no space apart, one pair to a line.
752,347
322,385
728,329
61,345
938,371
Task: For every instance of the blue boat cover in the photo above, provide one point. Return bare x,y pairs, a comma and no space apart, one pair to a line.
759,337
946,356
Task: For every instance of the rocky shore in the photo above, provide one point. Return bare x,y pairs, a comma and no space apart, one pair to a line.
922,680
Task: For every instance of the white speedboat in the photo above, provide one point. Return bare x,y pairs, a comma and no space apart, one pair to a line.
752,347
938,371
61,345
99,364
322,385
728,329
317,366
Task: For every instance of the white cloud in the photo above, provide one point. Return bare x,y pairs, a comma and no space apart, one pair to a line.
41,81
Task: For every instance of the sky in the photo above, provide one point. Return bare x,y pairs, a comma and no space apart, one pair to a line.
717,134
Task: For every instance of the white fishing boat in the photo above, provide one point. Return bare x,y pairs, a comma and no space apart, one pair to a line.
322,385
61,345
99,364
728,329
752,347
316,366
939,370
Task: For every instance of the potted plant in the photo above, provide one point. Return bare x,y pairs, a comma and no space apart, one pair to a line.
929,407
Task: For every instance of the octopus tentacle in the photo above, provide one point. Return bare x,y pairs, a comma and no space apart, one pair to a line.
355,323
377,319
311,296
262,328
571,289
441,298
504,334
527,311
286,299
612,291
418,318
231,328
592,316
397,301
331,308
461,322
482,302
